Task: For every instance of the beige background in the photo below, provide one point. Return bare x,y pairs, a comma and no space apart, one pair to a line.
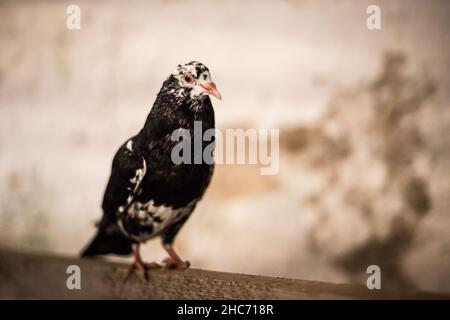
364,118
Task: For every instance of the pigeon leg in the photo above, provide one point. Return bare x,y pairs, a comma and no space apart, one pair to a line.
173,261
139,265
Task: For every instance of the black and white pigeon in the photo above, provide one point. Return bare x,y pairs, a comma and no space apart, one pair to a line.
148,195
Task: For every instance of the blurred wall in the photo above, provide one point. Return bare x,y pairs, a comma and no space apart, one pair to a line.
352,164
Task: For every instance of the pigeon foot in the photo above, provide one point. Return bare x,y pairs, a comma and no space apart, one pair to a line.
173,261
140,266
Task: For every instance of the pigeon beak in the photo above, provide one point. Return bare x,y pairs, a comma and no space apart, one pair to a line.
210,88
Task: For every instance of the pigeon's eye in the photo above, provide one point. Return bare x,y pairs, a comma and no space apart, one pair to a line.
188,79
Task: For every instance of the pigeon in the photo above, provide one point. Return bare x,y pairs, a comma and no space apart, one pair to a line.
148,194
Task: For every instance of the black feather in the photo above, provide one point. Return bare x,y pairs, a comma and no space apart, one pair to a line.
108,243
126,203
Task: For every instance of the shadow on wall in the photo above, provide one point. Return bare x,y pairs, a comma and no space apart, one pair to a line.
372,154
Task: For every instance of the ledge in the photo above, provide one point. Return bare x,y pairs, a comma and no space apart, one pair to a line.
43,276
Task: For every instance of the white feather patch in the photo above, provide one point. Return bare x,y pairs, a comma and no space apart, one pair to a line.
130,145
139,175
159,216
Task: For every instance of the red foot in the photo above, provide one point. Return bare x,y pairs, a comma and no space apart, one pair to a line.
140,266
173,261
142,269
170,263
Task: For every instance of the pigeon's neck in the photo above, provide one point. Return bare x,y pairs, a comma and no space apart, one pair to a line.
172,111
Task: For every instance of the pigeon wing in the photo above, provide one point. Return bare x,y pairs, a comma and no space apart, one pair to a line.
128,171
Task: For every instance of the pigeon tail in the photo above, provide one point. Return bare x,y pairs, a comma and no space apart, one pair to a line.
108,242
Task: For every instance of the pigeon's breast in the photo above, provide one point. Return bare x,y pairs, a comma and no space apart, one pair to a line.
166,181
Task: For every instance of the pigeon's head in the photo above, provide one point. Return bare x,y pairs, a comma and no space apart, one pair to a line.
195,81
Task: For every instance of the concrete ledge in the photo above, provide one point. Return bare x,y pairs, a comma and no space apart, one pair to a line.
43,276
